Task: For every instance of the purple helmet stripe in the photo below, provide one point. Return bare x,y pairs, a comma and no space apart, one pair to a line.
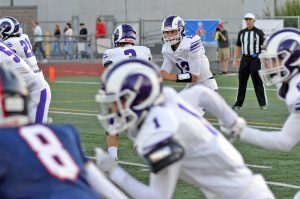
283,30
168,21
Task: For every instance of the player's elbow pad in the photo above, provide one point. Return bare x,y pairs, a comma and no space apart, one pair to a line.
107,64
164,155
185,77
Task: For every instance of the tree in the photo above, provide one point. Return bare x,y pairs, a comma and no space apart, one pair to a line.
290,8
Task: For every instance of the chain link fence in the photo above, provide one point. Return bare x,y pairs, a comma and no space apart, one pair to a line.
148,34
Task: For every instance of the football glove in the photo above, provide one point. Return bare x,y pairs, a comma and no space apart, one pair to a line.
236,129
104,162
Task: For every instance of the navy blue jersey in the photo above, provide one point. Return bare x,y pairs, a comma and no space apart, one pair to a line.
43,161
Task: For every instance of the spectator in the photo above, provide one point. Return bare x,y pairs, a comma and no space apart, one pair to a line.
221,36
200,31
56,41
83,33
38,40
100,28
249,41
68,35
82,42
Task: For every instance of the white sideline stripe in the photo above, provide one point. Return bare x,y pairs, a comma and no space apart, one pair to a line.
281,184
73,82
73,113
253,126
175,86
278,184
259,166
146,166
94,115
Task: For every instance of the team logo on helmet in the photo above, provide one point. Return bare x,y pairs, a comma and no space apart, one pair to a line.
280,56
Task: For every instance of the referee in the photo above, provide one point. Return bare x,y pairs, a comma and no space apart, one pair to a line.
249,42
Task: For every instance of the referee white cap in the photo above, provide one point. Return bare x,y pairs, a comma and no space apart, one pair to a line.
249,15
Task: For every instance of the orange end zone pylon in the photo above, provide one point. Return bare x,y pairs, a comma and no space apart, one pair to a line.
51,74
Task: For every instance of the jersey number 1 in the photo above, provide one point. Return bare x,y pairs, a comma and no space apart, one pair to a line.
50,151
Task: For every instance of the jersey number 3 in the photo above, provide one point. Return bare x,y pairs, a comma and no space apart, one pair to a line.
50,151
130,52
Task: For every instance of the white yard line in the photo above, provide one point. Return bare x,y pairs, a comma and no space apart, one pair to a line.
278,184
175,86
281,184
259,166
73,113
93,115
74,82
254,126
146,166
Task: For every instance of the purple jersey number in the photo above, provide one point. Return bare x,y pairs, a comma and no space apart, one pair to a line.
9,53
130,52
27,48
183,65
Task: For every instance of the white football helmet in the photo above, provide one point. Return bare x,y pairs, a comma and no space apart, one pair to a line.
129,89
7,28
280,57
124,33
173,23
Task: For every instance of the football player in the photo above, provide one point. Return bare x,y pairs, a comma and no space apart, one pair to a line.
280,66
42,161
19,43
174,140
124,38
186,53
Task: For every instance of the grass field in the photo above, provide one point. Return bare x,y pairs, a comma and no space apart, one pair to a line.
73,102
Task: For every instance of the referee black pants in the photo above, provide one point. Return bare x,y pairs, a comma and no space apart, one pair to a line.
250,66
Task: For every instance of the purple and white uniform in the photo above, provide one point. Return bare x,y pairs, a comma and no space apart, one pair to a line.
41,98
120,53
210,162
189,57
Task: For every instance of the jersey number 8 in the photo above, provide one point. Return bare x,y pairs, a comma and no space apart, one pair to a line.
50,151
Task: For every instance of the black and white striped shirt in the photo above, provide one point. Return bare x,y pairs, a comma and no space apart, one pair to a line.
250,41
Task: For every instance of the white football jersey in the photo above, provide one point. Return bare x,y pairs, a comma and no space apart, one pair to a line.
287,137
120,53
189,57
208,155
292,98
210,162
11,60
38,88
22,46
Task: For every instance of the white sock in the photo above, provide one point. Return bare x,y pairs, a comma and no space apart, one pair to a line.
113,152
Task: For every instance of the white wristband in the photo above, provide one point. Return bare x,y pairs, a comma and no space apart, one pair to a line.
184,76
